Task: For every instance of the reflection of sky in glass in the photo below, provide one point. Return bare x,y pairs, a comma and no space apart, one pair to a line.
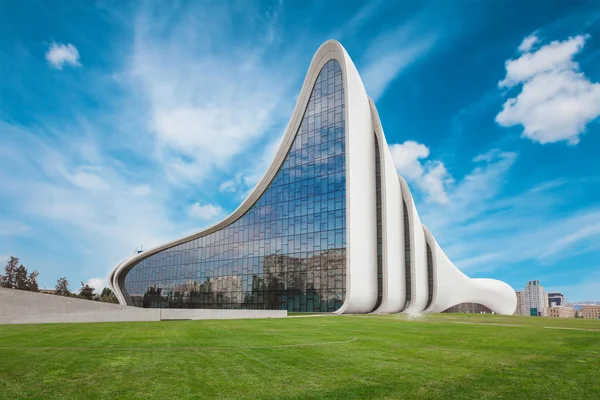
288,250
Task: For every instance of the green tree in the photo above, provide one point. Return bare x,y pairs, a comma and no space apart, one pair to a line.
8,280
62,287
21,278
86,291
32,284
108,296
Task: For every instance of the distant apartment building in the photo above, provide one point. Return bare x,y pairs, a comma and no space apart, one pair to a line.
561,312
556,299
535,299
520,304
590,312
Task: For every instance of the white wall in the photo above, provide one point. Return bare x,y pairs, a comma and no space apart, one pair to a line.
22,307
394,282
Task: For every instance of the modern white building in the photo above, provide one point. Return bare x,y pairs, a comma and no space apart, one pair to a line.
535,299
331,227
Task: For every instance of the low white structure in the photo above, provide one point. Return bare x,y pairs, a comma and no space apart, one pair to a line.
23,307
331,227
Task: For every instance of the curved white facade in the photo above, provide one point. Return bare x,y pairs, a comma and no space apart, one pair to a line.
410,281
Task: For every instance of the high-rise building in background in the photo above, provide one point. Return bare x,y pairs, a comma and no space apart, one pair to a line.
535,299
520,304
556,299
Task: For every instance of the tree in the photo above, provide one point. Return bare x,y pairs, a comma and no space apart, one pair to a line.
21,278
86,291
8,280
108,296
32,284
62,287
16,277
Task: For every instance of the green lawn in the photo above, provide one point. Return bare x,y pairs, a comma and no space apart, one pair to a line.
356,357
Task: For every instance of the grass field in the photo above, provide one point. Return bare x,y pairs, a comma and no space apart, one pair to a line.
357,357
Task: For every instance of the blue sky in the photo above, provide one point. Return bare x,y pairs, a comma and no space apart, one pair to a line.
125,124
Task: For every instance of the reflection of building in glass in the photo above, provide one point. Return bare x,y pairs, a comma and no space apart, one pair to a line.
330,228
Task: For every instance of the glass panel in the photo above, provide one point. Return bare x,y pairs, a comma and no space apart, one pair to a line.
379,227
407,270
288,251
429,276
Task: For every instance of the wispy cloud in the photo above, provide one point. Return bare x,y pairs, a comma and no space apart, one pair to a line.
586,289
187,111
10,227
393,51
362,16
92,200
482,228
206,102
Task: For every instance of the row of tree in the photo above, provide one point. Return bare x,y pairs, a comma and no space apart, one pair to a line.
85,291
17,277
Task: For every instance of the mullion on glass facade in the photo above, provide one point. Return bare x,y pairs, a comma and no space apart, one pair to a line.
407,261
288,251
379,226
429,276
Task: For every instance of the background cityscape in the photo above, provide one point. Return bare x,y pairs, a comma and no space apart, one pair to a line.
534,301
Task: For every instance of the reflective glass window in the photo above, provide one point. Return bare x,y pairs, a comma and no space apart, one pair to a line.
288,251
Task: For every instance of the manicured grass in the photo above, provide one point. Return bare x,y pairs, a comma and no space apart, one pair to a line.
326,357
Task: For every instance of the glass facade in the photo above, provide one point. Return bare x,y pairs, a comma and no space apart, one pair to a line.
379,227
288,251
429,276
407,271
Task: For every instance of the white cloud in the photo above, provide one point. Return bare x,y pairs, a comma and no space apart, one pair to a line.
556,101
430,176
406,158
59,55
98,284
527,43
204,211
556,56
